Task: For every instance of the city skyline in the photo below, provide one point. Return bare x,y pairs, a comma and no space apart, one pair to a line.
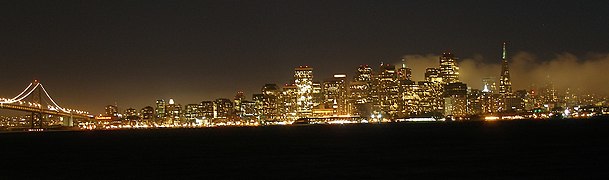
264,89
100,53
388,94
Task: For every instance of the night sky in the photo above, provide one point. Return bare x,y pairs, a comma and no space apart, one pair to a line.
89,54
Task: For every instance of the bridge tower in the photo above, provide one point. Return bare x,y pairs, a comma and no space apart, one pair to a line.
37,117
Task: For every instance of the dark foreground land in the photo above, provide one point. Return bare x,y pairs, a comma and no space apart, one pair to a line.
508,150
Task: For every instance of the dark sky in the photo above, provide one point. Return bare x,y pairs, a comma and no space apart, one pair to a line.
89,54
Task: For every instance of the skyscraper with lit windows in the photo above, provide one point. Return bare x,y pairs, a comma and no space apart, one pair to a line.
303,79
449,71
147,114
388,90
505,84
289,97
433,75
207,109
270,102
509,101
112,110
455,100
239,98
174,112
360,90
160,109
335,94
223,108
404,73
364,74
192,112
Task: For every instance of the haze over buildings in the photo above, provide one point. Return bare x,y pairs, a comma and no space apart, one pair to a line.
92,54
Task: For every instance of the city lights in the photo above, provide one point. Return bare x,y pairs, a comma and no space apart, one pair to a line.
370,96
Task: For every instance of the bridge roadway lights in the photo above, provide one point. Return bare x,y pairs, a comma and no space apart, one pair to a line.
37,109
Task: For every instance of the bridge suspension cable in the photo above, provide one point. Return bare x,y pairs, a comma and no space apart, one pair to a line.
54,103
17,98
38,104
22,92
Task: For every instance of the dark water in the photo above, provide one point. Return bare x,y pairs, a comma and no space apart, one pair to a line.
505,150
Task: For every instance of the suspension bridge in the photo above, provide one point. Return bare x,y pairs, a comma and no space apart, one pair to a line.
36,100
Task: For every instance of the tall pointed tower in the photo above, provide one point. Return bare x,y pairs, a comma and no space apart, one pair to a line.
505,83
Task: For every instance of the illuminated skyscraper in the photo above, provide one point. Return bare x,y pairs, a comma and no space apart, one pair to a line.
131,115
174,112
192,112
408,99
223,108
449,71
549,95
433,75
404,73
250,112
430,101
505,84
239,97
303,79
335,94
289,107
112,110
364,74
317,94
522,97
474,101
147,113
160,109
360,91
455,100
259,106
269,102
509,102
207,109
388,90
489,85
491,100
